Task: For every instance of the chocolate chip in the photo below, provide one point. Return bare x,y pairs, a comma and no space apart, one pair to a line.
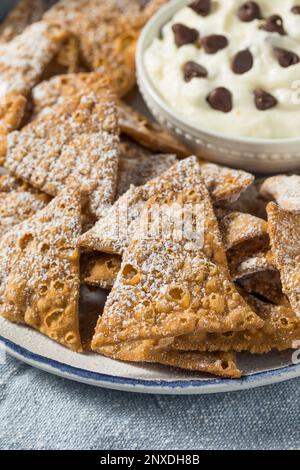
264,100
221,99
201,7
249,11
184,35
285,58
242,62
296,10
274,24
214,43
193,70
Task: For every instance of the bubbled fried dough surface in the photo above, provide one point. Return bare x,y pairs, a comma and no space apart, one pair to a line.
167,286
100,269
18,201
222,364
39,271
108,31
281,328
284,231
58,88
77,141
23,60
22,15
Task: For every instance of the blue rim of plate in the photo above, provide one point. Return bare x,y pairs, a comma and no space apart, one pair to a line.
213,385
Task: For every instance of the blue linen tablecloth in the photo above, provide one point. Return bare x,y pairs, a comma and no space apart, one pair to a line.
41,411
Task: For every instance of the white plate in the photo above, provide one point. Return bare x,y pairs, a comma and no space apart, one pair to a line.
39,351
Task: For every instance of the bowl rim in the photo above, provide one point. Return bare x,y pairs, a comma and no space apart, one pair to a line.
156,22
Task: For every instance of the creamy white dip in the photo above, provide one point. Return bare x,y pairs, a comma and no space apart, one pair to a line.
164,62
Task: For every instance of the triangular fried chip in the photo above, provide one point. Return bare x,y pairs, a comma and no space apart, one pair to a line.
284,231
22,15
100,269
148,134
112,233
137,165
281,328
50,92
259,262
237,228
266,285
250,201
39,271
284,189
22,62
77,141
225,183
18,202
173,279
108,32
222,364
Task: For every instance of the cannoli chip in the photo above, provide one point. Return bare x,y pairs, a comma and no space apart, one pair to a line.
237,228
39,275
250,201
18,202
284,231
225,183
173,281
55,90
281,328
108,32
76,141
259,262
22,15
138,165
265,285
148,134
221,364
284,189
100,269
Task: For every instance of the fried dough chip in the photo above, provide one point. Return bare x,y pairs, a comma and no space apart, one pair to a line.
281,328
148,134
284,231
22,62
137,165
221,364
22,15
173,281
18,202
260,262
225,183
55,90
77,141
39,271
113,237
237,228
284,189
108,31
100,269
250,201
266,285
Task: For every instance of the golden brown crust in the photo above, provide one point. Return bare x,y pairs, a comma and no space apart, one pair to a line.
108,31
22,15
168,286
39,271
18,202
281,328
284,231
76,141
221,364
284,189
100,269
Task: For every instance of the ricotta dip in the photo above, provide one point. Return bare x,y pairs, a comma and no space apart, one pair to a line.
231,66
